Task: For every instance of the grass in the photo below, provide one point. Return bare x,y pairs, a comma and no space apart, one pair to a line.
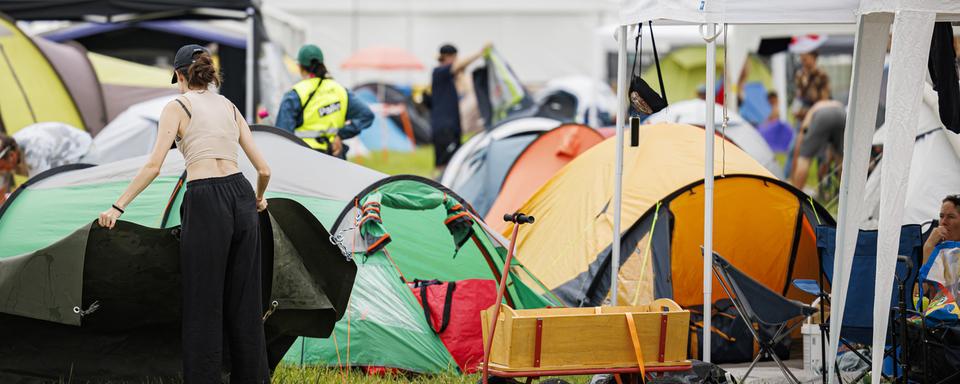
419,162
290,374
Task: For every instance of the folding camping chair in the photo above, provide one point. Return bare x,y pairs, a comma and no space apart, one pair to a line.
758,304
857,324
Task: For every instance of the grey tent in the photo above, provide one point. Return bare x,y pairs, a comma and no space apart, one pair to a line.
479,167
79,301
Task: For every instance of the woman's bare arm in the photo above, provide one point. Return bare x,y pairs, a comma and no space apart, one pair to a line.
170,120
253,153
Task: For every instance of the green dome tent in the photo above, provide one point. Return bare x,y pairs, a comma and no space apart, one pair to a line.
386,324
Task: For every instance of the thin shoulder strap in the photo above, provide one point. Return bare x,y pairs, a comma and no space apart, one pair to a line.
656,59
312,93
190,115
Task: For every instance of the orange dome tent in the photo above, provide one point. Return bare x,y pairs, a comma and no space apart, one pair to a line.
538,162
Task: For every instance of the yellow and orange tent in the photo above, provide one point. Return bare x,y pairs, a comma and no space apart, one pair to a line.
761,225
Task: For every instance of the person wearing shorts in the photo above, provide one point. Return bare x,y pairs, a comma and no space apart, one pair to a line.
821,131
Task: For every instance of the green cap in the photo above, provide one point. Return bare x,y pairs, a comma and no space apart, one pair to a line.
309,52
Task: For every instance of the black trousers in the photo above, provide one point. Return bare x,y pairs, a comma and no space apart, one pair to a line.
220,264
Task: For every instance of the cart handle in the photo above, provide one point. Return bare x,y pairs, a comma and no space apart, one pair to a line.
518,218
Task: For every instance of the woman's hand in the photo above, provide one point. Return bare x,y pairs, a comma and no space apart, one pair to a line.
108,218
938,234
261,204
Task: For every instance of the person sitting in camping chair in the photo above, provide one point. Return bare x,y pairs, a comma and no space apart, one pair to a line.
949,228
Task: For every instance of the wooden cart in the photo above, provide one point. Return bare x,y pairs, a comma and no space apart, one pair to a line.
581,341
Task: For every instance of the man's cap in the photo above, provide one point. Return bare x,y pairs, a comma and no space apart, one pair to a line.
448,49
308,53
184,58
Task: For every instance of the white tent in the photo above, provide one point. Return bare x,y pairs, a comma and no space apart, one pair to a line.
132,133
933,172
911,23
594,98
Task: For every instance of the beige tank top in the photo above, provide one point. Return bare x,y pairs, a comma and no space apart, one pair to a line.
212,132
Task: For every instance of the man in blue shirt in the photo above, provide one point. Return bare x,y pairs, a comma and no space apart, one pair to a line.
312,109
445,103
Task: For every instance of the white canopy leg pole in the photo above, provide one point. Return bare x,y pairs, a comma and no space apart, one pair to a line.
622,90
708,190
872,37
250,64
908,67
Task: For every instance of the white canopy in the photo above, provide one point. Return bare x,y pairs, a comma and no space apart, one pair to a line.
911,23
740,11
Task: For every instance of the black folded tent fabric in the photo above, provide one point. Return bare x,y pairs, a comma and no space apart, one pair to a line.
100,303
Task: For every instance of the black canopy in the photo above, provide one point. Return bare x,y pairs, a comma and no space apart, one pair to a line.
125,10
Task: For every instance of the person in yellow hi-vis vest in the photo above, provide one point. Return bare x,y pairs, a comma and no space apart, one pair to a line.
319,110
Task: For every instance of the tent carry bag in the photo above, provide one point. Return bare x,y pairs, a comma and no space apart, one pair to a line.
643,99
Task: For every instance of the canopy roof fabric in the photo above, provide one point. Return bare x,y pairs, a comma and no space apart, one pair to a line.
569,246
33,91
479,167
194,30
536,164
740,11
83,9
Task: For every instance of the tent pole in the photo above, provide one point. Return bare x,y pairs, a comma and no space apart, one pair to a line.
708,189
251,26
873,33
622,86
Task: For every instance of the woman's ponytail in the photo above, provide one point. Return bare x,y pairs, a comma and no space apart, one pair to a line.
201,73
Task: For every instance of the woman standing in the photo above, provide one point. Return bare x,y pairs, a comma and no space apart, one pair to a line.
219,241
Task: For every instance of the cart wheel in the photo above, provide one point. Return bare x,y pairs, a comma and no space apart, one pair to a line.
666,380
498,380
602,379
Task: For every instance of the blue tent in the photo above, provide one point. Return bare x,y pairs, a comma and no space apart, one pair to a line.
384,133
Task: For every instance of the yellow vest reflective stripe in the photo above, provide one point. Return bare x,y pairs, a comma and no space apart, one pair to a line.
324,112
